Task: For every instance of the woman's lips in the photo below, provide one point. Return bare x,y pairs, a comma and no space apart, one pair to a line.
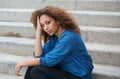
48,32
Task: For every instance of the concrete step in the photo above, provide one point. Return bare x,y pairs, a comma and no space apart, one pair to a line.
89,18
97,18
7,63
6,76
101,53
98,5
17,29
17,46
104,54
91,34
106,72
102,35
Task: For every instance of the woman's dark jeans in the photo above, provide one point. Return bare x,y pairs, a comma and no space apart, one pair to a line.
43,72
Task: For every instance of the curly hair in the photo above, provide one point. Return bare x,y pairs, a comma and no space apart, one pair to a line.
62,16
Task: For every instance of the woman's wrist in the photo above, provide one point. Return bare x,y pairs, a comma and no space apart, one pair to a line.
20,64
38,32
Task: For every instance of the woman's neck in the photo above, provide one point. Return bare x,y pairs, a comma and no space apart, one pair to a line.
59,31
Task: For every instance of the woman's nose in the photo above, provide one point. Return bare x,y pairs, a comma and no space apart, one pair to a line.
46,27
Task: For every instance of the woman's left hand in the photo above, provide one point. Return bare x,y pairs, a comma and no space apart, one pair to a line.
17,69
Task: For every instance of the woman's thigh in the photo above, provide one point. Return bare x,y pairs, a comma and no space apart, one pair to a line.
52,73
28,73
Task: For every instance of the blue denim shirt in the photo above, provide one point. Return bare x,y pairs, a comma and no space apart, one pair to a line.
69,53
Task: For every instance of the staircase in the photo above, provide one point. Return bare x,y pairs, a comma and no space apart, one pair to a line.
99,21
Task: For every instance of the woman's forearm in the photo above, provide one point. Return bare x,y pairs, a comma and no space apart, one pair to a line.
38,44
30,62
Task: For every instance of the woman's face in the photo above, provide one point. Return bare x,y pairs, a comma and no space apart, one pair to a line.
48,24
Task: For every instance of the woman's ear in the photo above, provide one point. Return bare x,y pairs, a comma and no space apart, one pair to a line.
58,23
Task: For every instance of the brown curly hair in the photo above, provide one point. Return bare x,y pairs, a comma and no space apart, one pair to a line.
62,16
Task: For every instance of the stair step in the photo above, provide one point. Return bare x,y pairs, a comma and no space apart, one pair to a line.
101,53
104,54
87,18
98,5
6,76
8,62
91,34
17,29
17,46
102,35
106,72
100,71
97,18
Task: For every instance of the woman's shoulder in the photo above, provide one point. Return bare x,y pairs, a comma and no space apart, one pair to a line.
72,34
69,35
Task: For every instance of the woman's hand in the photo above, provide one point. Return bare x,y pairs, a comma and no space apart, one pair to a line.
38,43
38,24
29,62
17,69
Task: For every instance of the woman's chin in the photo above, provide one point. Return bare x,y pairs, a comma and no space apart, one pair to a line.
50,34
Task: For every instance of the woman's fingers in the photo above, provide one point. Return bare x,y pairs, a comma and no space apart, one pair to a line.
17,70
38,23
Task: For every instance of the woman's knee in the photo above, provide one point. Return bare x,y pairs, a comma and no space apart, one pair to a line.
34,69
37,72
37,69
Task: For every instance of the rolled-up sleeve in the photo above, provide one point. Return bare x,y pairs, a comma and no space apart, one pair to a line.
45,49
35,56
62,49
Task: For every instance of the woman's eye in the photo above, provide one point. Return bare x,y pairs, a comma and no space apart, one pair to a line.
48,22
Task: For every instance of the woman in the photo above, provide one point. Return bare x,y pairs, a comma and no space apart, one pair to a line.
64,55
